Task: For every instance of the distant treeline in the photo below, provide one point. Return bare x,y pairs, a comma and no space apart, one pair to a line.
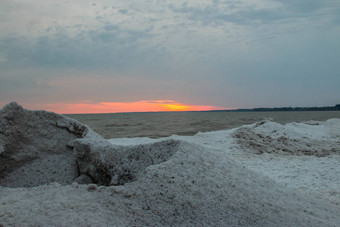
325,108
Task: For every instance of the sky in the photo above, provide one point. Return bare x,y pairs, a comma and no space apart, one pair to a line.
82,56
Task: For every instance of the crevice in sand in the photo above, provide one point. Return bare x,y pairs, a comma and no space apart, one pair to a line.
117,165
79,130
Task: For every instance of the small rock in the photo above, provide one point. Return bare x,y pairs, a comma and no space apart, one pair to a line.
92,187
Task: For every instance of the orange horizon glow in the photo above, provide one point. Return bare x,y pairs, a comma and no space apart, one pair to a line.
87,107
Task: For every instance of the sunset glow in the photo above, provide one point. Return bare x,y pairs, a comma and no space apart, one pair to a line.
119,107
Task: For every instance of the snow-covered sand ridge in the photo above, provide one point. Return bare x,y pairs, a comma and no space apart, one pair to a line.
57,171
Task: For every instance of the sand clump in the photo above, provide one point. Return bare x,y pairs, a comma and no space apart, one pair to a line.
271,137
34,147
84,179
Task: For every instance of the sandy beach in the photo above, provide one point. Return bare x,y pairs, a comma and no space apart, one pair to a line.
57,171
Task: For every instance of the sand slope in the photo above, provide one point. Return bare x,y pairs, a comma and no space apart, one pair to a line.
188,181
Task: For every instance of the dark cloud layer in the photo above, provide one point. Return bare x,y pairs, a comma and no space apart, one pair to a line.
110,47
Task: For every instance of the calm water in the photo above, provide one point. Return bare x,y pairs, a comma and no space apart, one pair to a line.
157,125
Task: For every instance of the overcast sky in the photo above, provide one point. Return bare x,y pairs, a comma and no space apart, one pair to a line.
230,54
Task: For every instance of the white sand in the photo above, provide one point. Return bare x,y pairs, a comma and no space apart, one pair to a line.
317,173
264,174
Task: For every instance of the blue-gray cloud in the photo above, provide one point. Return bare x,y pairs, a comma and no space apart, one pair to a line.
123,11
210,15
110,47
309,6
222,12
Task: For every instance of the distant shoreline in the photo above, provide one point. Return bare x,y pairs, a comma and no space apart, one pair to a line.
282,109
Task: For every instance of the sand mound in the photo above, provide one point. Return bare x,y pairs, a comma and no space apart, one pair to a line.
34,147
39,147
170,182
290,139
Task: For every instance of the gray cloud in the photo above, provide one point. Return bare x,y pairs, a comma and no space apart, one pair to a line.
214,15
220,13
123,11
308,6
111,47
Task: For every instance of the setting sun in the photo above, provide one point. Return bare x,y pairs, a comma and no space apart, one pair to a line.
176,107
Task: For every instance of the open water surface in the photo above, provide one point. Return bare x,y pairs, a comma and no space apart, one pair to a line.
163,124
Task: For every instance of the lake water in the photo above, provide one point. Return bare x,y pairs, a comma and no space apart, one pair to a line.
156,125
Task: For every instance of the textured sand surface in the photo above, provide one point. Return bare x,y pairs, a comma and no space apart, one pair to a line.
218,178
